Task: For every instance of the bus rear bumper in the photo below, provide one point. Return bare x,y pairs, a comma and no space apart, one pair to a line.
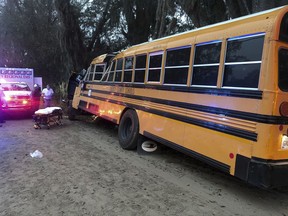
268,174
263,173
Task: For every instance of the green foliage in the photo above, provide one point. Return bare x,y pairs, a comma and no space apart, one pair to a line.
28,35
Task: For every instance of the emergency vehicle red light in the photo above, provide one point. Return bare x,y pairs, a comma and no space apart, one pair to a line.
24,102
283,109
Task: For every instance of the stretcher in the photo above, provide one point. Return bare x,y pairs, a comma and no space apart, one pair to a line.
47,117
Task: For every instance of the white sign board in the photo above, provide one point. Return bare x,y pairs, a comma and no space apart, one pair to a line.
17,75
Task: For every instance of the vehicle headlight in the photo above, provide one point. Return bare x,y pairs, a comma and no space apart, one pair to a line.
284,144
7,98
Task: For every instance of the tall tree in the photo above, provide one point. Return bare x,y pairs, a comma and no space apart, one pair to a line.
171,19
71,37
140,19
28,36
100,22
204,12
237,8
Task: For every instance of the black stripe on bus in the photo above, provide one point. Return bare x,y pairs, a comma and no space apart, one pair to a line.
206,124
253,94
266,119
223,167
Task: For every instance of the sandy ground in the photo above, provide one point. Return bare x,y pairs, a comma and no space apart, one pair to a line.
84,171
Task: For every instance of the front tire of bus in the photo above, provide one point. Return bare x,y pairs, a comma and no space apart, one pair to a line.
71,111
128,131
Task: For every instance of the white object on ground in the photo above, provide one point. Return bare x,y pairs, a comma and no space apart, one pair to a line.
149,146
36,154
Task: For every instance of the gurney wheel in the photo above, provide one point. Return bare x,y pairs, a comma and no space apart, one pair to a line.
58,123
36,126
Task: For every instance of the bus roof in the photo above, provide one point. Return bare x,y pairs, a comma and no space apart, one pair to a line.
99,59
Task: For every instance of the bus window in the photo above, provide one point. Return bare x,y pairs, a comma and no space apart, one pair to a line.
177,65
284,29
118,72
140,67
91,73
112,72
99,70
128,67
206,64
104,78
243,61
283,68
155,62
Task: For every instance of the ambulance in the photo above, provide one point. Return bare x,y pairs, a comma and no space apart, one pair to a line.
16,85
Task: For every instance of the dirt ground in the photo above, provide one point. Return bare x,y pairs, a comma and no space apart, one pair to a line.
84,171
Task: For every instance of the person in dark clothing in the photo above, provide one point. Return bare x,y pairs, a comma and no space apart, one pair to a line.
36,96
1,108
72,84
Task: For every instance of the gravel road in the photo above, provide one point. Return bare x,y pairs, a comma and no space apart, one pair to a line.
84,171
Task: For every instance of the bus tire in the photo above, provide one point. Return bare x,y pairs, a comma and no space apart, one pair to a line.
128,131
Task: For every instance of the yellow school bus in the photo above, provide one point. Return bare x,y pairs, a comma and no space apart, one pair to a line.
218,93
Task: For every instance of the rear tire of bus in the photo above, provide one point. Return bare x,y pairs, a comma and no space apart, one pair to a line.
128,132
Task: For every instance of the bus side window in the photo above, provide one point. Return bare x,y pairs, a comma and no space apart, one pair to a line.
128,68
155,63
118,71
243,61
283,35
177,65
206,64
91,73
99,70
112,72
283,68
140,67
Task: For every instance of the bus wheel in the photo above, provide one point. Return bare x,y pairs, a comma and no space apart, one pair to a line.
128,131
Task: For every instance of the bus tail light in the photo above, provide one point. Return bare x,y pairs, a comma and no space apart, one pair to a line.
283,109
284,144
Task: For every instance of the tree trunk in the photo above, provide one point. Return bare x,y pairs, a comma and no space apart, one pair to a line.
140,16
204,12
238,8
71,37
95,40
261,5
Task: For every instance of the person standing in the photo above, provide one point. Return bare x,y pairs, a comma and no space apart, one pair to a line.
36,95
47,94
1,108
